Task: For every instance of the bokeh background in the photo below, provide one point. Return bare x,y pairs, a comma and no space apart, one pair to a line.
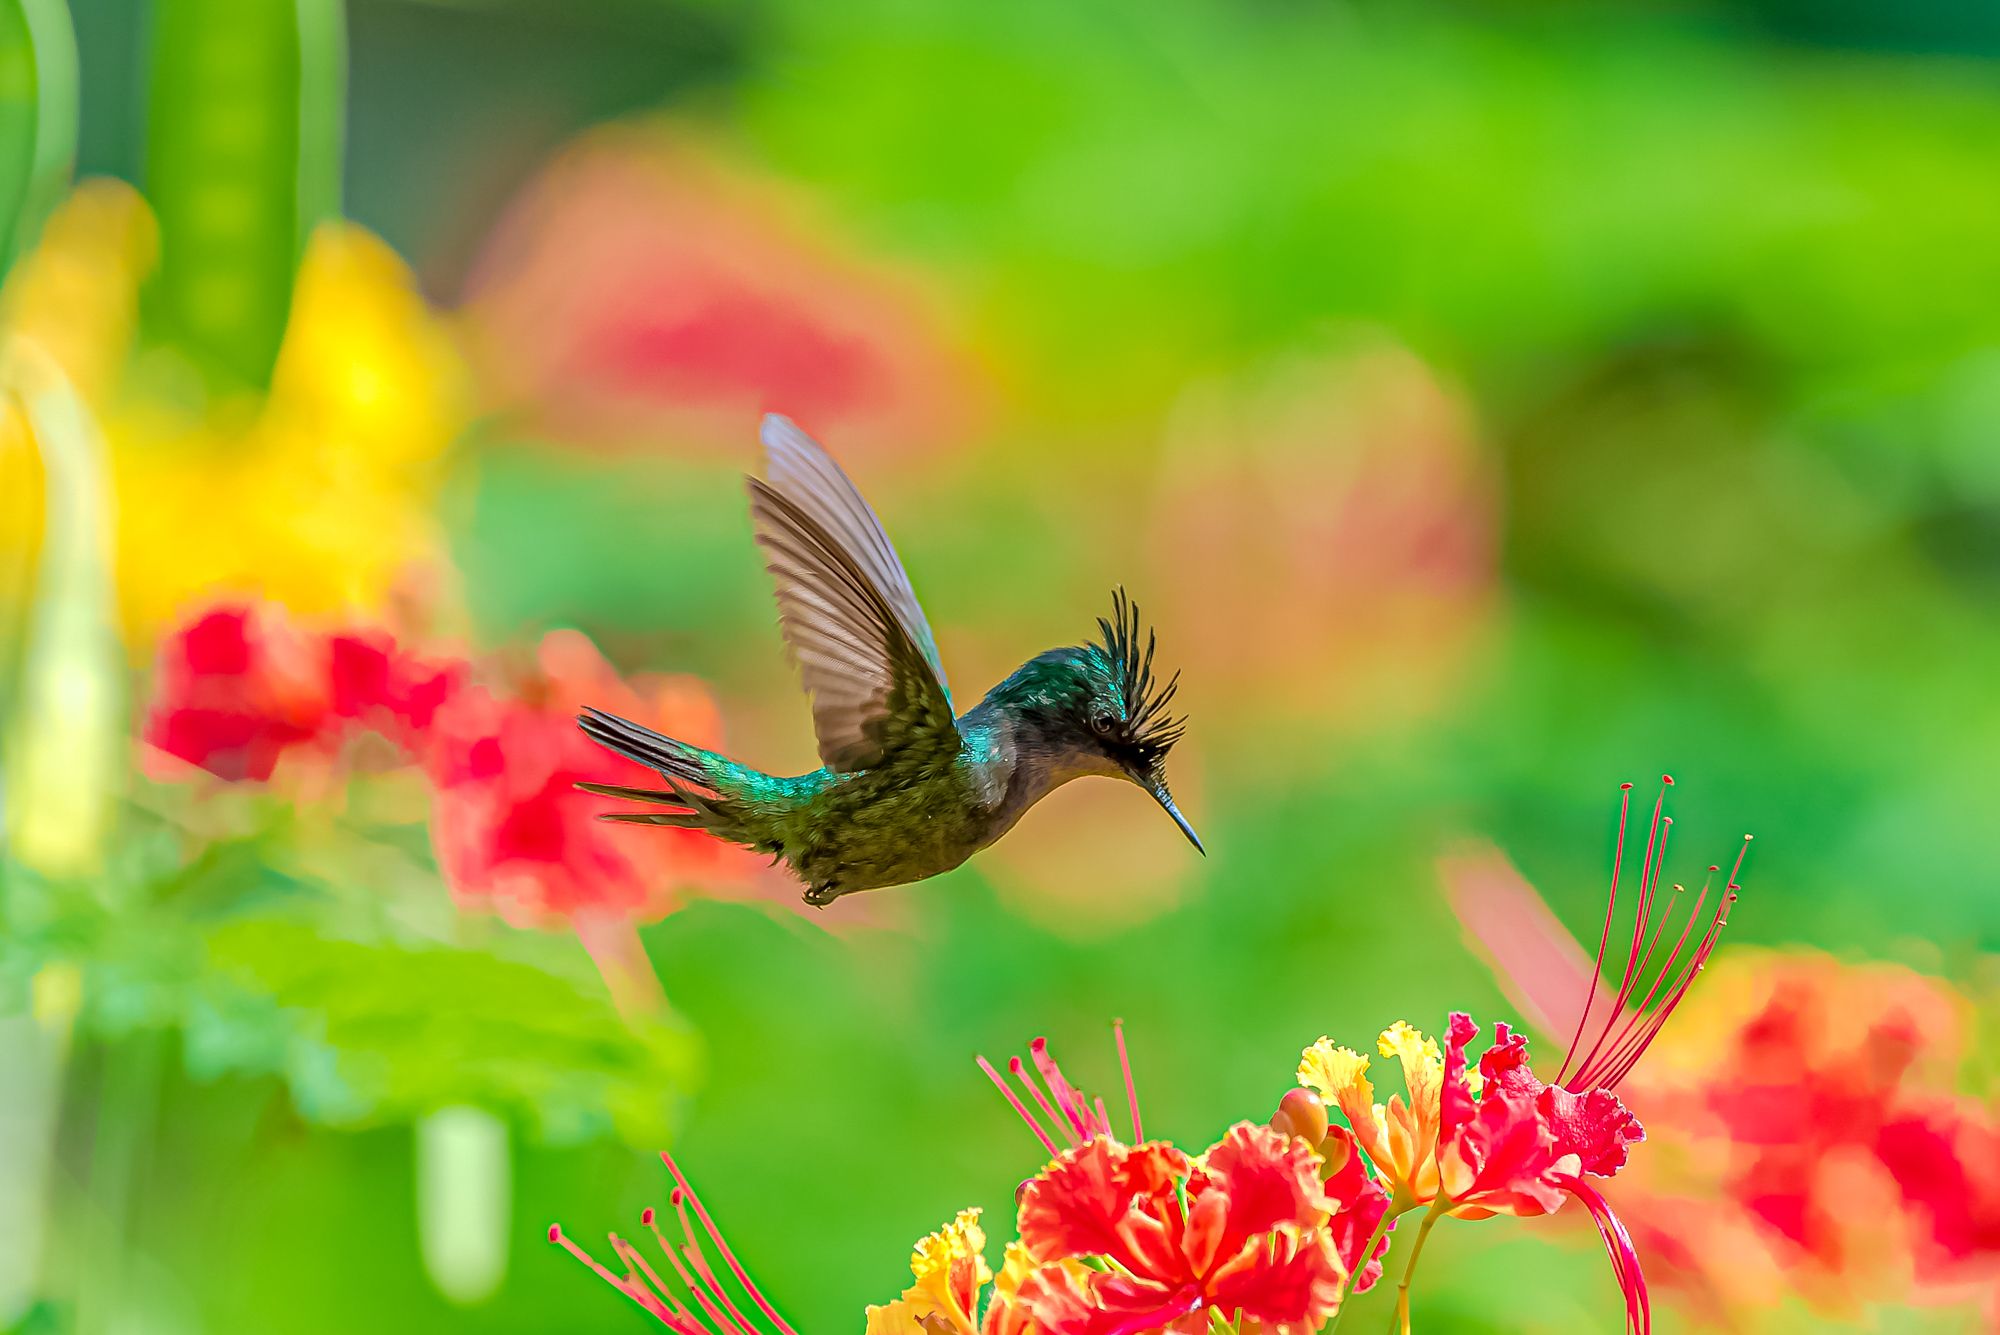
1489,403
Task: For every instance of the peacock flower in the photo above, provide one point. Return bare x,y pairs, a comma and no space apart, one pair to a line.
1241,1231
1349,485
328,480
1400,1137
511,832
1520,1145
1811,1110
690,1298
1125,1238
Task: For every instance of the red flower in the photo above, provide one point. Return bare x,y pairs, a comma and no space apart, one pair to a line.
386,688
1524,1145
234,691
241,687
691,1299
1267,1224
1241,1231
511,831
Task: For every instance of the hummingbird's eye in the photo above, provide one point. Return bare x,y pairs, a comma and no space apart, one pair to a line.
1102,723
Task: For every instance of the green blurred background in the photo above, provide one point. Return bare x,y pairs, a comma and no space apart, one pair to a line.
1489,402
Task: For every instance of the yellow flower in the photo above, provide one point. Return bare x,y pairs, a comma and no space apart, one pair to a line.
950,1269
1400,1138
316,495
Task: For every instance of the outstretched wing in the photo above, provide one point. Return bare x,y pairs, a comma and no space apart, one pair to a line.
846,609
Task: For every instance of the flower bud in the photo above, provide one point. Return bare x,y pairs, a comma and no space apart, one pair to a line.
1300,1113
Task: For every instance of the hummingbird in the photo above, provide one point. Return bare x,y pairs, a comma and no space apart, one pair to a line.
907,789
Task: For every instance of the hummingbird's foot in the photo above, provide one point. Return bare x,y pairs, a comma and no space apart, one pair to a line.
819,896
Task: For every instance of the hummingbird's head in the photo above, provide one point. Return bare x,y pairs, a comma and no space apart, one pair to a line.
1105,711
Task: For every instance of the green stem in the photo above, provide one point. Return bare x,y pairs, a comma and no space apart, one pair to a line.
127,1096
615,948
1431,1216
1396,1206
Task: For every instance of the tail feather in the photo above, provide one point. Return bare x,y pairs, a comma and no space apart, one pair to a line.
678,763
618,790
685,768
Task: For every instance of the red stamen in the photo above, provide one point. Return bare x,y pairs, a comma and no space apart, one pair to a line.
1131,1090
710,1291
636,1264
1624,1257
1618,1041
1066,1095
1019,1070
1014,1101
1603,936
1695,966
1635,1022
722,1246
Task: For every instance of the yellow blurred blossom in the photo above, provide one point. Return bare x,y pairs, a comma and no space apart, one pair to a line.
316,495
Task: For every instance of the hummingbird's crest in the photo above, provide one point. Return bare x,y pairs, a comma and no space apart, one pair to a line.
1146,726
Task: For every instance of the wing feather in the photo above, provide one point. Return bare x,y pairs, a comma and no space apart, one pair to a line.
846,608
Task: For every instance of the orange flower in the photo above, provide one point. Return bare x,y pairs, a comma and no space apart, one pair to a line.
1241,1231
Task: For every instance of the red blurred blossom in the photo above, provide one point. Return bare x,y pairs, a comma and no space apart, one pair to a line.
240,687
1255,1228
648,286
691,1298
1828,1134
511,831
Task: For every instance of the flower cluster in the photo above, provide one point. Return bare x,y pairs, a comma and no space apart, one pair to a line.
248,694
1275,1225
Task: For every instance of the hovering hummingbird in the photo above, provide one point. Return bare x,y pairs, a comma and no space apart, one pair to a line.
907,790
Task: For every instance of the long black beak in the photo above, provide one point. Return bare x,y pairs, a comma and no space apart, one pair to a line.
1158,788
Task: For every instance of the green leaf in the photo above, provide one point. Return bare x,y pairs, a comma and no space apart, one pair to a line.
367,1033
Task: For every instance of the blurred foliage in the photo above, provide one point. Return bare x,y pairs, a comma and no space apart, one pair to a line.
1643,357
